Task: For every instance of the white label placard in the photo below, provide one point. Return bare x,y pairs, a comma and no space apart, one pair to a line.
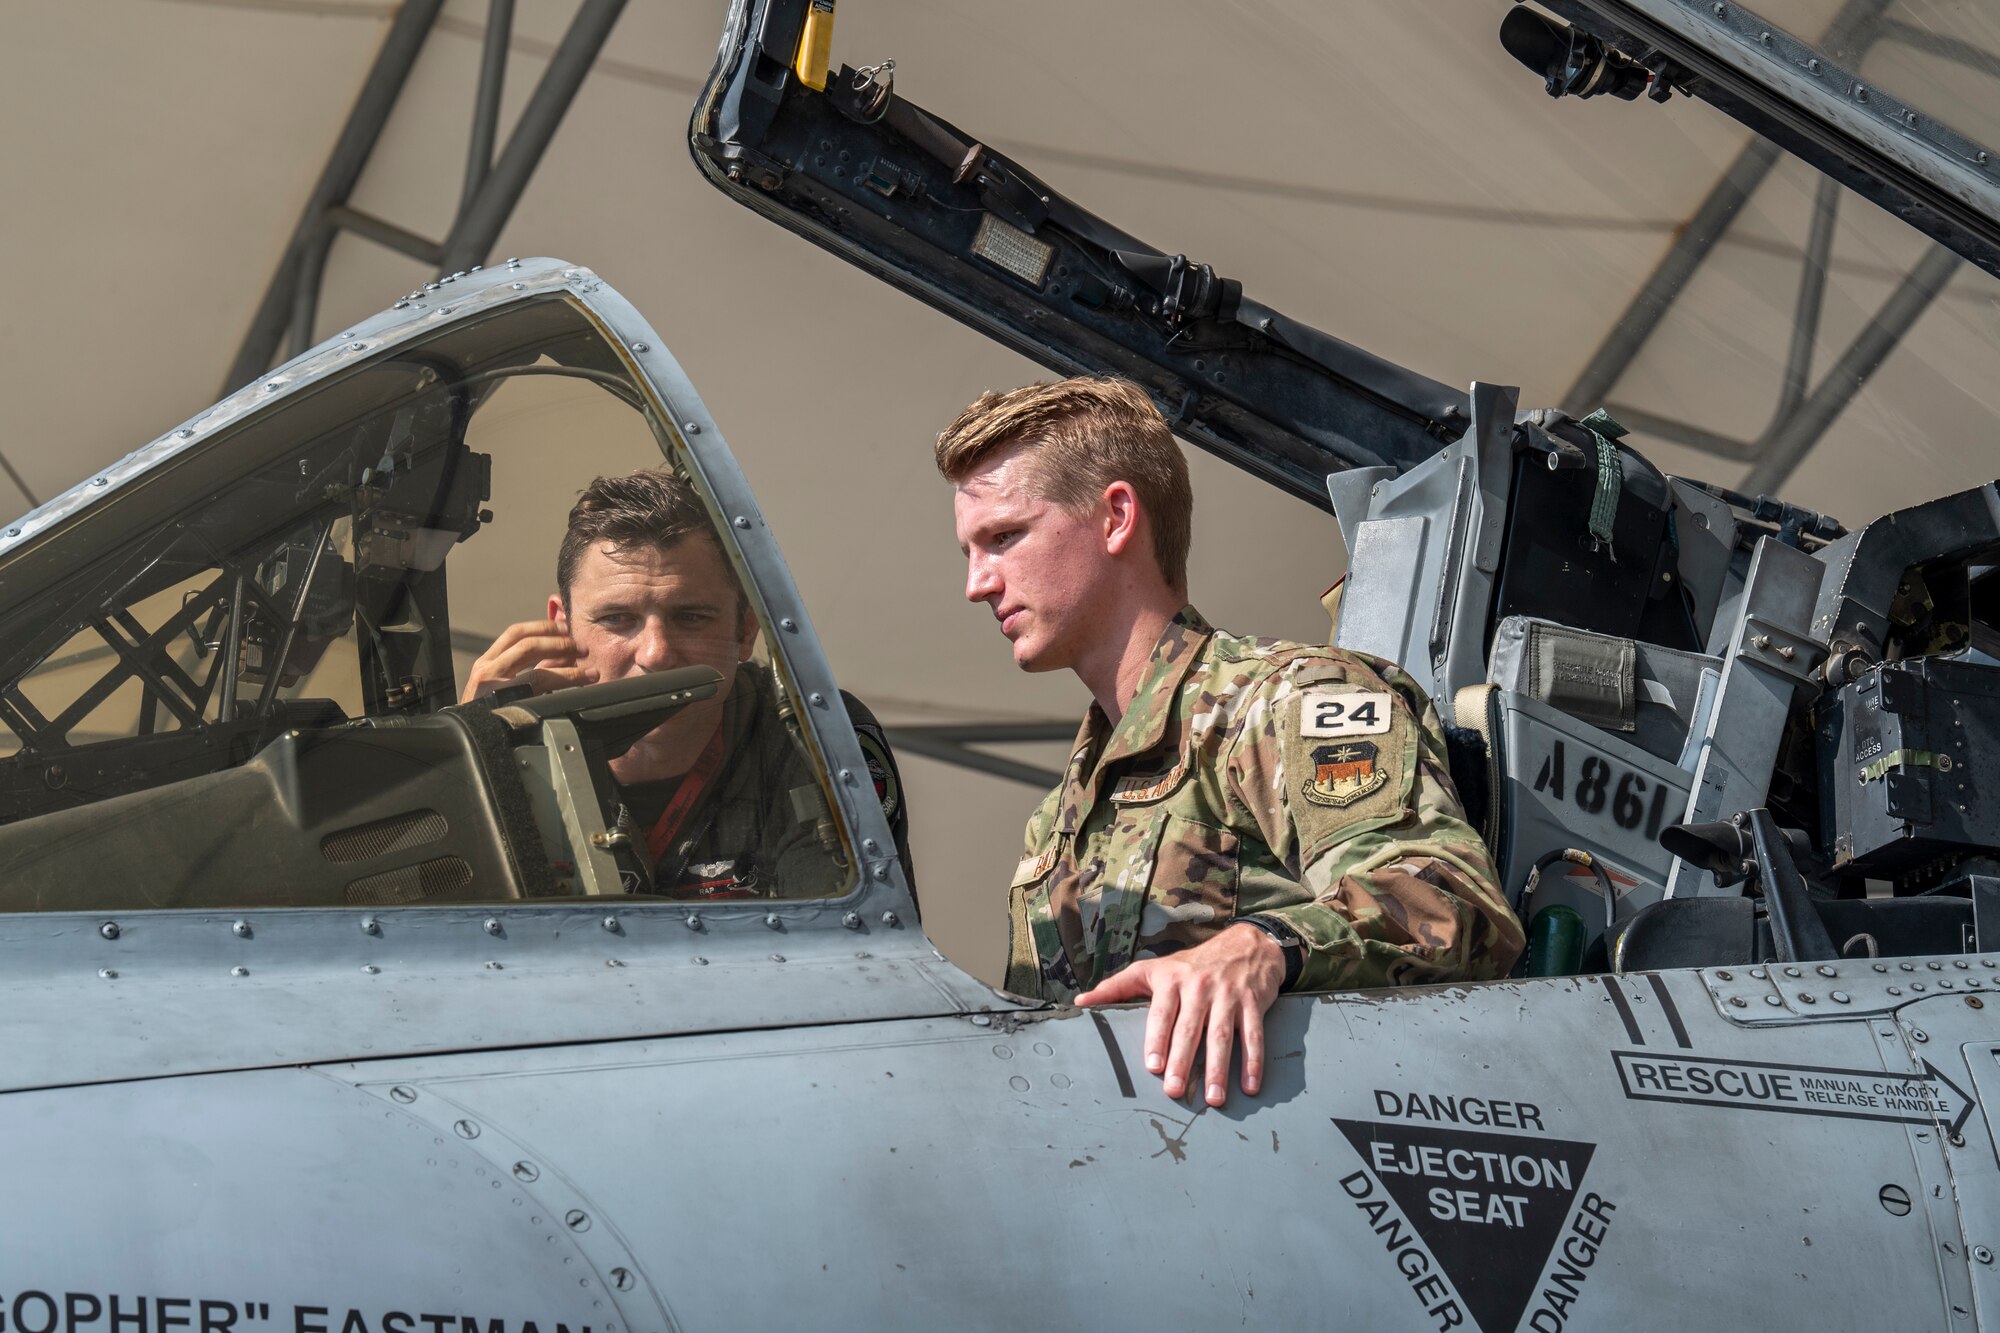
1356,713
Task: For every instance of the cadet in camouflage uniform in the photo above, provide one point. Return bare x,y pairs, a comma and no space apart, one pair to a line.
1307,786
1299,792
722,797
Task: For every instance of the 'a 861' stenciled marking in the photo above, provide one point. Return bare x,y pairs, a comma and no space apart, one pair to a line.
1600,784
1352,713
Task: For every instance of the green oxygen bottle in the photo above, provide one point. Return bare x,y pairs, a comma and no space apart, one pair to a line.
1556,939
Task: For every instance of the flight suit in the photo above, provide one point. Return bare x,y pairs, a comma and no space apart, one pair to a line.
1306,785
758,826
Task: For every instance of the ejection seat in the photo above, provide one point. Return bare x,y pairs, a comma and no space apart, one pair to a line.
1579,739
1558,698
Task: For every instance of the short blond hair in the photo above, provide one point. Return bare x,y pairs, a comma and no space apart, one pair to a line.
1077,436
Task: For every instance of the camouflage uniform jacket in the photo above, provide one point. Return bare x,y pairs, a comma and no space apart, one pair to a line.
1300,783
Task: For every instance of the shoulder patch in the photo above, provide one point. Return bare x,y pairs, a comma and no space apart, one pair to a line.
1345,712
1343,773
881,770
1346,771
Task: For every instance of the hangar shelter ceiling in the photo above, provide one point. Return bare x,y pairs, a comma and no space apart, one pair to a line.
1386,173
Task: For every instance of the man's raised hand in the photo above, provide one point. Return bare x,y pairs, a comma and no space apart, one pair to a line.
538,653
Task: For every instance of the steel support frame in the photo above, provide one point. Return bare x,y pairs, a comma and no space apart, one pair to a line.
1803,414
951,743
946,742
286,315
1769,659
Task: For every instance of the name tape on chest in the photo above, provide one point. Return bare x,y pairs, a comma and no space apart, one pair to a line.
1033,867
1147,786
1348,713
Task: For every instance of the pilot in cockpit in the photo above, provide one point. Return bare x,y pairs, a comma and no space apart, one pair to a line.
721,796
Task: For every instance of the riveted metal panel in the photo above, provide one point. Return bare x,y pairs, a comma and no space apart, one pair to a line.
89,998
1769,993
1410,1156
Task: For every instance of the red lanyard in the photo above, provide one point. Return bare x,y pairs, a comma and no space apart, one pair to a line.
668,825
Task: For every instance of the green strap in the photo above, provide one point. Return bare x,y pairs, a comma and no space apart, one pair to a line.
1610,475
1879,769
1024,968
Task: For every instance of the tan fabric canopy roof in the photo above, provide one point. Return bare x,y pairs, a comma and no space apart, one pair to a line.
1385,172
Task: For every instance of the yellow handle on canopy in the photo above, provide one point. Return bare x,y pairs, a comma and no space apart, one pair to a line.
815,54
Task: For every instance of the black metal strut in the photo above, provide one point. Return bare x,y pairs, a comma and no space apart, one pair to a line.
916,202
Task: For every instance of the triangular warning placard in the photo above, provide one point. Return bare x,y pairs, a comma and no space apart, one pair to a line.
1487,1206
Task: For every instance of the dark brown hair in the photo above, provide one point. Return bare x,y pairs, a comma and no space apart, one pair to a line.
649,508
1077,436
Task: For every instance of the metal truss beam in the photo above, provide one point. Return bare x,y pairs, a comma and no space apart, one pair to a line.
336,182
1802,415
290,306
1670,278
946,742
481,217
1812,296
1801,418
1782,448
1944,45
951,743
1853,30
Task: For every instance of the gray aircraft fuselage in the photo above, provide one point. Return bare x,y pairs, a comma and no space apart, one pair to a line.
544,1118
239,1094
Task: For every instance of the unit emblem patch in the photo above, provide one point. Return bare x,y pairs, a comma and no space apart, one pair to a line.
1343,774
881,770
